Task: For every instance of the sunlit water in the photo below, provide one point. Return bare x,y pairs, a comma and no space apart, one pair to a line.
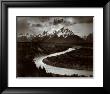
58,70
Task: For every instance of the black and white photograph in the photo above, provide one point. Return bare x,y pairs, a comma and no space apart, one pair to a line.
54,46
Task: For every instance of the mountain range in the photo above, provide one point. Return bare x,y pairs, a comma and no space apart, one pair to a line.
62,35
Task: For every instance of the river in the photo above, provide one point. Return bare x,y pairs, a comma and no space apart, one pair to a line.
58,70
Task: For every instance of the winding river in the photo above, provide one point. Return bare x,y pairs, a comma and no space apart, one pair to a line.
58,70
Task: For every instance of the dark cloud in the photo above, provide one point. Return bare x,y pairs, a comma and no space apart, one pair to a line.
58,21
84,19
36,25
21,25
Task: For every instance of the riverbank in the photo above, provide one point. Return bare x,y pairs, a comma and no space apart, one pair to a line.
26,67
80,59
26,52
60,70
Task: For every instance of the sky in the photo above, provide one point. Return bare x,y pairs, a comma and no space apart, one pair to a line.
34,25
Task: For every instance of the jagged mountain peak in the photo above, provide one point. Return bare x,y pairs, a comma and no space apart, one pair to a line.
64,32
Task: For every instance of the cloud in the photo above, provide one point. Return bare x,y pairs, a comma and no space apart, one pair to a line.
22,25
84,19
36,25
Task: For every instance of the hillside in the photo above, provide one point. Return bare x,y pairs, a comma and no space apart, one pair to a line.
81,59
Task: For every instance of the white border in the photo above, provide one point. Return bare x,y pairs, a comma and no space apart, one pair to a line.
97,81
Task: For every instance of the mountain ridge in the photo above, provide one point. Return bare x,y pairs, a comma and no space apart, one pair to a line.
63,35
